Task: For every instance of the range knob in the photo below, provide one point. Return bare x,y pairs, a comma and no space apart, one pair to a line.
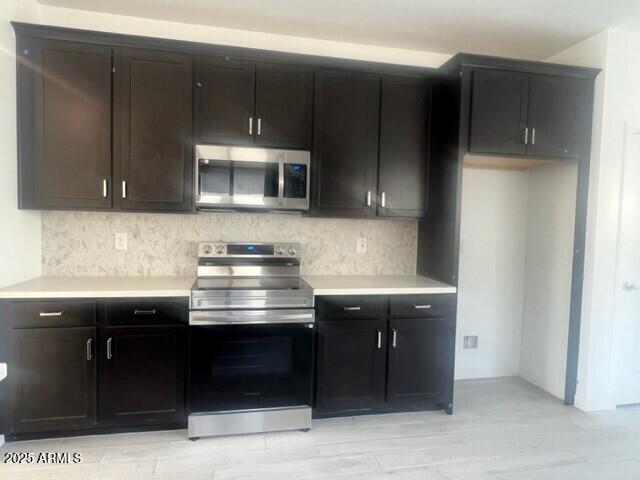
292,251
207,249
279,250
219,249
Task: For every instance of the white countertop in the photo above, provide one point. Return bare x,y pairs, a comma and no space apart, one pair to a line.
100,287
375,284
113,287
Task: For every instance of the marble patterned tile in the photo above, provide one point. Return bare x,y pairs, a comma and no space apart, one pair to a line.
82,243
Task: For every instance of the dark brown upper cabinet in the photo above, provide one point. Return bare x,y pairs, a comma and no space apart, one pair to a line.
243,103
559,115
516,113
345,144
224,101
152,98
498,112
404,141
64,124
284,106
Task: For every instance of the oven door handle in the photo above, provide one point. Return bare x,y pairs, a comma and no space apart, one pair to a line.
250,317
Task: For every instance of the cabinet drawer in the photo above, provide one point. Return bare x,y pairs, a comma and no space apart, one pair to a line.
350,307
38,314
148,311
409,306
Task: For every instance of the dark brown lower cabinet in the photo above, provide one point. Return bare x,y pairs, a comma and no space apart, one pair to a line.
419,359
142,374
401,358
52,379
351,364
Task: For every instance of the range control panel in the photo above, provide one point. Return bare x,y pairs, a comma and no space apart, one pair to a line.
222,249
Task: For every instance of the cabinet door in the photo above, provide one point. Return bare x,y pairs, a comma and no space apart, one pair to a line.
153,95
420,359
404,133
284,106
559,116
142,379
351,364
345,145
53,384
225,101
64,125
498,112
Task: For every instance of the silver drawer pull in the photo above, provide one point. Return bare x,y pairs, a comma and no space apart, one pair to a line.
89,350
109,352
422,307
52,314
394,338
351,309
145,312
379,339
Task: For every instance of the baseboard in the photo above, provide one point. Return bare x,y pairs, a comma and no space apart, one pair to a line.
554,387
488,371
587,404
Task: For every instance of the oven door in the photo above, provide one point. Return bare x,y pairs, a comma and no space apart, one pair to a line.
245,360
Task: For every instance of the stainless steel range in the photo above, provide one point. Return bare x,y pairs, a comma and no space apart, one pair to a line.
250,340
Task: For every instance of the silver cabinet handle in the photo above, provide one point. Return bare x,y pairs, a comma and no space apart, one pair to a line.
351,309
52,314
259,126
422,307
368,198
250,125
383,199
124,189
526,135
394,338
145,312
105,185
629,286
89,350
109,352
379,339
533,136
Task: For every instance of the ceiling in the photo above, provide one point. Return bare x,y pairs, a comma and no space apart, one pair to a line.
519,28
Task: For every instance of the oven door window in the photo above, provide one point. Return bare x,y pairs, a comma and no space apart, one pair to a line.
238,367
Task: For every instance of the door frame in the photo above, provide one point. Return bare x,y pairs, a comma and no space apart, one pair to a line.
577,276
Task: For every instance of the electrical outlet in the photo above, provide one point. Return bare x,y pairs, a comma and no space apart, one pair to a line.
470,341
121,241
361,245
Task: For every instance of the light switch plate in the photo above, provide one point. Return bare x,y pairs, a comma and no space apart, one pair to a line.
361,245
121,241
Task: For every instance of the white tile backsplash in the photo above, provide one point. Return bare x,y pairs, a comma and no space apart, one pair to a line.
82,243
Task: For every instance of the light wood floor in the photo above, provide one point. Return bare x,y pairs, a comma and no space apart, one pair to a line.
502,429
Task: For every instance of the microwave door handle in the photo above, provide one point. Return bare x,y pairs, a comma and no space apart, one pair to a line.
281,200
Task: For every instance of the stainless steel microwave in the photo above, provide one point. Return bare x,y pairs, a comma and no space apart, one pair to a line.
251,178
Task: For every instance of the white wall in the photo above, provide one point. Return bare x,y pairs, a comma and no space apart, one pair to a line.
19,230
548,269
225,36
492,271
617,102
